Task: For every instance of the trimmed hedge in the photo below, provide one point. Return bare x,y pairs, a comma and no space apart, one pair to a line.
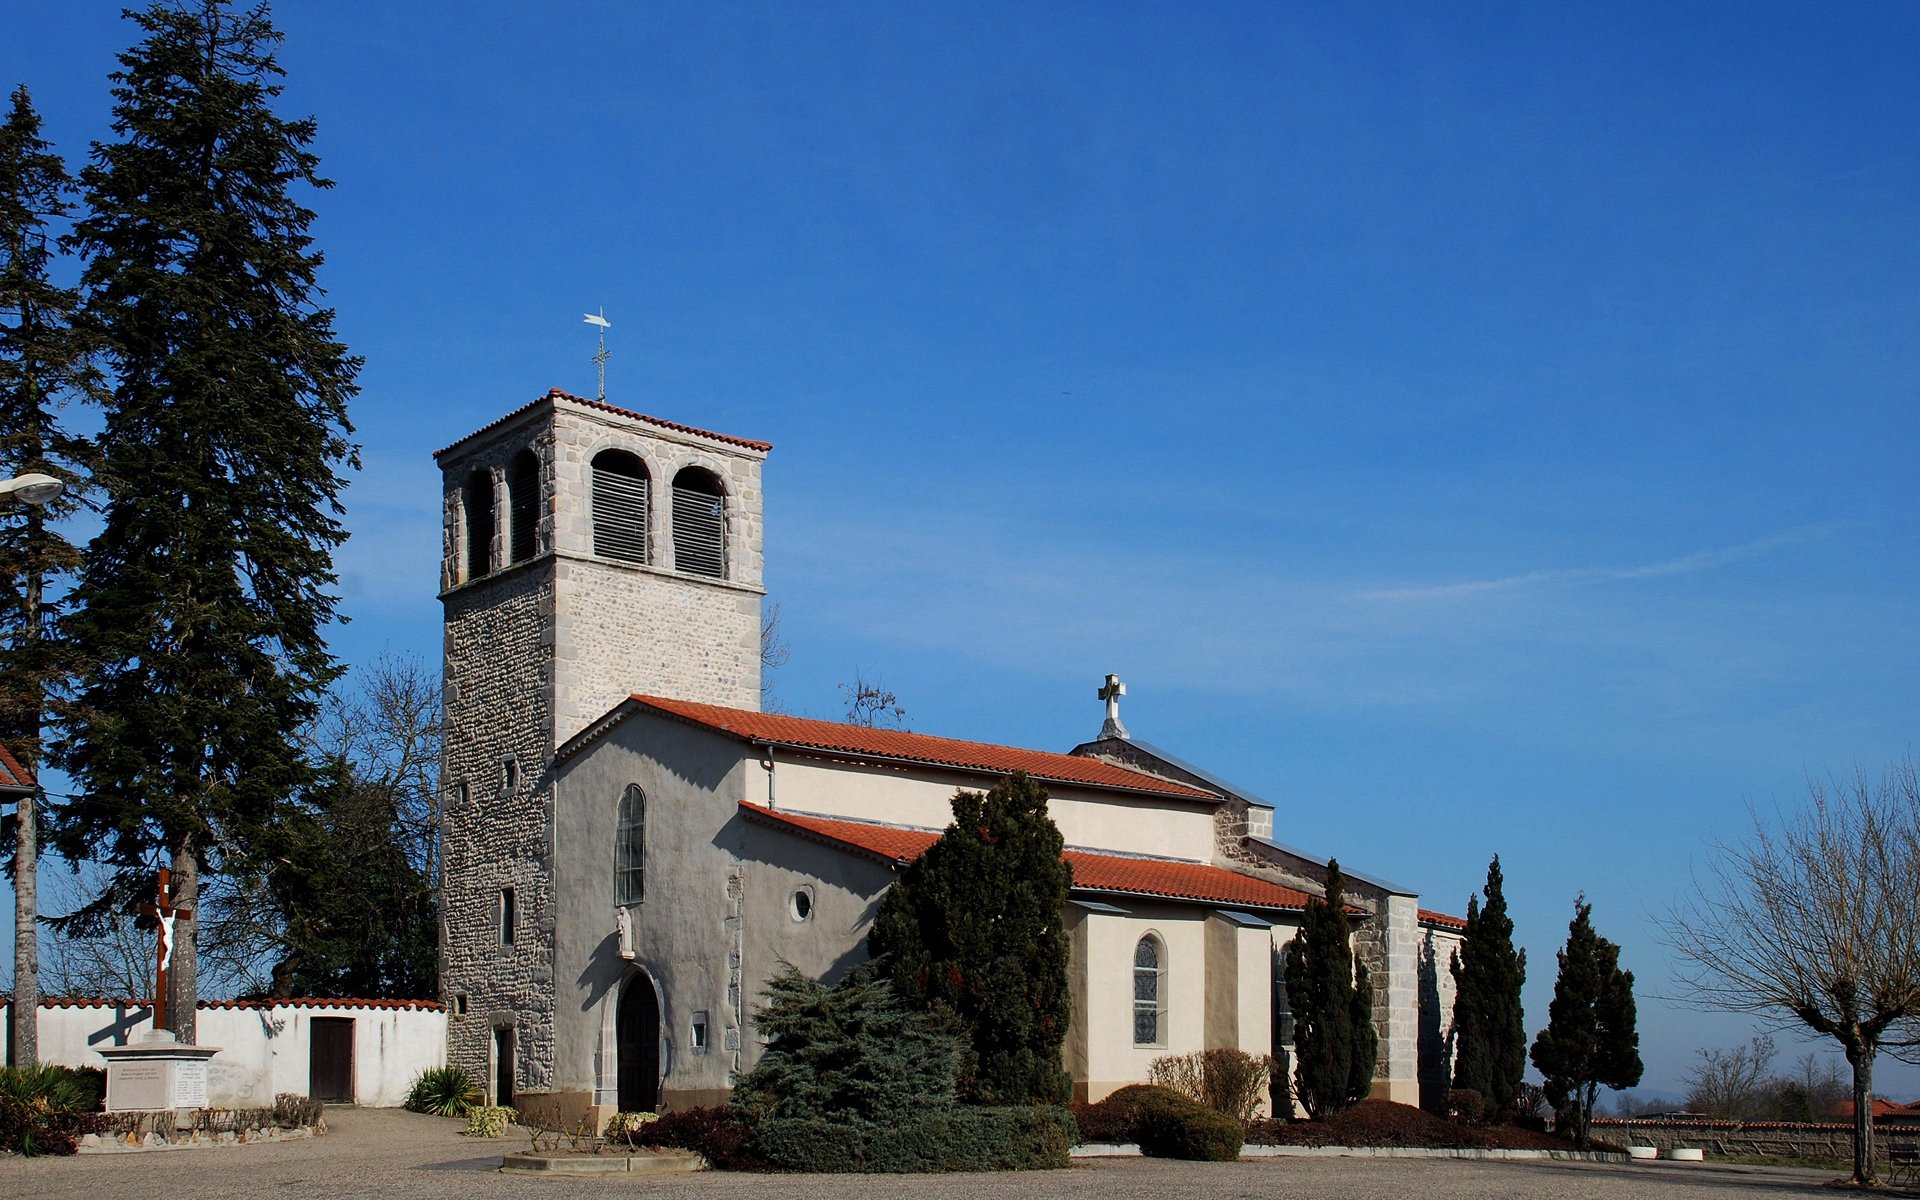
961,1139
720,1135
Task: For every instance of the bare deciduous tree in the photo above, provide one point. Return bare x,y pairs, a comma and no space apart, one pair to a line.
113,961
386,731
872,704
1731,1084
1817,923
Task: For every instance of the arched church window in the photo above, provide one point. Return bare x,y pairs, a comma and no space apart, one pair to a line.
630,848
476,517
1149,992
621,506
523,505
699,523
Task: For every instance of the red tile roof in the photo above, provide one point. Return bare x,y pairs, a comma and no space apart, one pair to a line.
555,395
13,776
1112,873
1430,917
291,1002
858,740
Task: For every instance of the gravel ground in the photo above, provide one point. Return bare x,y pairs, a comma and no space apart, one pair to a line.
386,1152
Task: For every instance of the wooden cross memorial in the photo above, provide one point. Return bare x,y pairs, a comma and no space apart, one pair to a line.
165,912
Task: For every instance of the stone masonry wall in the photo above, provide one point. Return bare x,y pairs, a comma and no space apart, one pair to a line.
626,627
498,704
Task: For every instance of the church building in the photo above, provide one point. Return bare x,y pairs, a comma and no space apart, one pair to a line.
633,848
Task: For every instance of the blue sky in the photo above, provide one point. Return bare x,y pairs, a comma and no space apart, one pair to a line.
1474,428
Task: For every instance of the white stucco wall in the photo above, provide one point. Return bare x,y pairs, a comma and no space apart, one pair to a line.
264,1048
1113,1061
911,794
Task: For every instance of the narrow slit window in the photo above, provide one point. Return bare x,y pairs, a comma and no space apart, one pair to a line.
621,507
476,508
630,868
699,524
523,506
508,916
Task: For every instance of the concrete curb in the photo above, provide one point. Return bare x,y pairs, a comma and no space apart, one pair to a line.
1129,1150
660,1162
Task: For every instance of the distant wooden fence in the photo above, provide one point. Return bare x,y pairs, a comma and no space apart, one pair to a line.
1769,1139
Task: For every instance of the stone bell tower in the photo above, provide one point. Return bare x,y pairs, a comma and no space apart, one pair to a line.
588,553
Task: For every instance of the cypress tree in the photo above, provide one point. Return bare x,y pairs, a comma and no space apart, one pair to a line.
204,600
1590,1040
1331,996
45,361
973,932
1489,1028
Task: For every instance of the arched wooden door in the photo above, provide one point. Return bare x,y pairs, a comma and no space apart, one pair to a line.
638,1030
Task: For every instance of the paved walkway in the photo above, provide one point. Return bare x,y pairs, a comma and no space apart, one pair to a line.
386,1152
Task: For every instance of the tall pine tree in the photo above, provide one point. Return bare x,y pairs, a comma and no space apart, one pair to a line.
1590,1040
45,362
1331,996
974,929
1489,1028
204,601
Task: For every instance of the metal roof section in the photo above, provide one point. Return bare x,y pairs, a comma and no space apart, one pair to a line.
1390,888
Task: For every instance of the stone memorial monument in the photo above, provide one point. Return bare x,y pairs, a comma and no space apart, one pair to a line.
157,1072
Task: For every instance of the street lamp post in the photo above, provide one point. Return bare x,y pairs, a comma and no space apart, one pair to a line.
34,489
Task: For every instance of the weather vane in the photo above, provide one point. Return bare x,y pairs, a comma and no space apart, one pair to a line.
599,320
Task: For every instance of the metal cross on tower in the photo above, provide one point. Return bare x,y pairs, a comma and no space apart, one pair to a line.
164,911
599,320
1111,691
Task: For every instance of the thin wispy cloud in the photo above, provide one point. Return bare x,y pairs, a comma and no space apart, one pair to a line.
1578,577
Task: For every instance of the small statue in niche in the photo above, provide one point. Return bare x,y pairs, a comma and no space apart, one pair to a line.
623,926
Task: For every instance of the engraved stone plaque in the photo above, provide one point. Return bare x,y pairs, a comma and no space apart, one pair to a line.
189,1084
136,1085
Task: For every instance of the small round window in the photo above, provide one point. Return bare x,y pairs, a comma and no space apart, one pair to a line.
800,905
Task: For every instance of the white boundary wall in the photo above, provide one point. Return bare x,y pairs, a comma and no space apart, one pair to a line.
265,1046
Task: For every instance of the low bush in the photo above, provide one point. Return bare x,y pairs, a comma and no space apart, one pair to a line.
291,1110
1382,1123
442,1092
622,1127
1466,1106
1227,1080
488,1120
962,1139
36,1128
1170,1125
720,1135
1111,1121
46,1109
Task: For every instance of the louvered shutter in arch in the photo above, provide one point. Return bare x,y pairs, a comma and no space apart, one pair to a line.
699,524
476,503
523,505
620,507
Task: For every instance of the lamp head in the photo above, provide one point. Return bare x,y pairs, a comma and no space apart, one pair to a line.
33,488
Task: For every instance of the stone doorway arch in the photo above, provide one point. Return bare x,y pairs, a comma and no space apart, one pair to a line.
637,1038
